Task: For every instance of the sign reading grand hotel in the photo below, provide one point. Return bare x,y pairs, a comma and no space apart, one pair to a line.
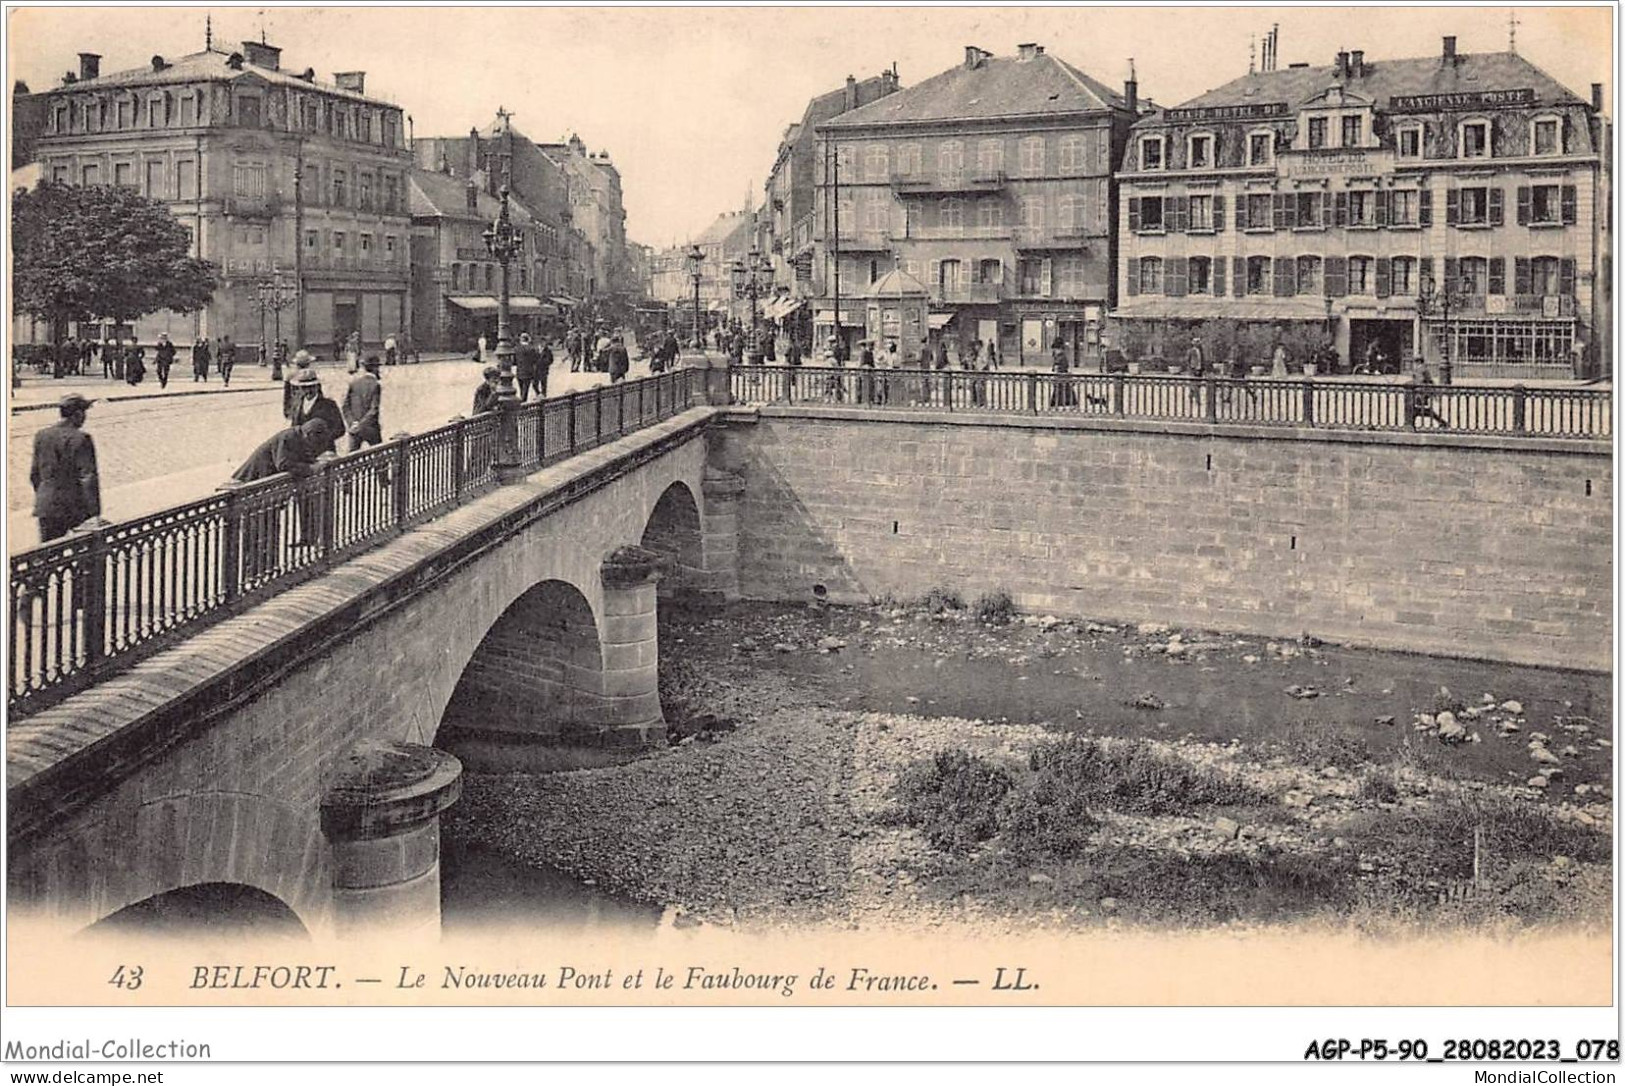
1426,103
1247,112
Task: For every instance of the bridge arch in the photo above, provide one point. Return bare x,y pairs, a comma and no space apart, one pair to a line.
262,847
205,909
673,530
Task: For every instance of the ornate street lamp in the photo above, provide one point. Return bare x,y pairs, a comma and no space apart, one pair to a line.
696,261
1432,301
747,279
272,296
503,242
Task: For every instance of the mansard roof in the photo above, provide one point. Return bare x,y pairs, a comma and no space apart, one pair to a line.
996,87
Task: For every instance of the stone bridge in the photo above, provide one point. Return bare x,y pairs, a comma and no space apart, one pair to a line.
287,756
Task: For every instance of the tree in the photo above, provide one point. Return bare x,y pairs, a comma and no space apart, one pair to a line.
101,252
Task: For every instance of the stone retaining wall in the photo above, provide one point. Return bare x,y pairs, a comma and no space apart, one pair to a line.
1438,543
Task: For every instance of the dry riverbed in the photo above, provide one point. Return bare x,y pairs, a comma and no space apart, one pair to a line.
1143,776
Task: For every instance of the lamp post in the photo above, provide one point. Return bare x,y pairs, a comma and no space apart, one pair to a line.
1434,301
747,281
503,242
272,296
696,261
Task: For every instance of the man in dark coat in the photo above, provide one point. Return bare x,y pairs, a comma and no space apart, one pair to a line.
485,397
228,358
526,362
309,403
135,364
294,451
67,490
544,364
200,361
361,403
620,363
163,357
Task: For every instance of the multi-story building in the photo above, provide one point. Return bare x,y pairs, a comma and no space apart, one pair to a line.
990,183
269,170
1445,206
730,238
788,220
595,203
456,281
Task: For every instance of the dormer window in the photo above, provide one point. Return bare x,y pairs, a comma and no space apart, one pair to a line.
1151,156
1199,151
1260,148
1353,131
1546,136
1475,139
1317,133
1408,141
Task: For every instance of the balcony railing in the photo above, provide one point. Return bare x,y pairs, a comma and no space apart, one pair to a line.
1523,305
940,182
966,293
93,603
251,207
357,262
973,232
863,241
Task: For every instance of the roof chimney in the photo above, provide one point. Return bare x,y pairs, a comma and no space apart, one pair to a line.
1450,49
1341,65
159,63
472,192
974,56
473,158
308,75
851,98
1596,97
90,65
235,62
1131,90
1029,51
1357,62
261,55
351,81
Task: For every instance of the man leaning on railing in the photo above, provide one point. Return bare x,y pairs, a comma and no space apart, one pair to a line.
67,488
293,451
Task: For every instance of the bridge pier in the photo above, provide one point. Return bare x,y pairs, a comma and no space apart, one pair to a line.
381,814
630,711
719,531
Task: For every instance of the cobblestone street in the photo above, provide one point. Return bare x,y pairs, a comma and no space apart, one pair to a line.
156,452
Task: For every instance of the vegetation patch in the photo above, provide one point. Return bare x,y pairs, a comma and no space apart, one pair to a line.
953,799
939,599
996,608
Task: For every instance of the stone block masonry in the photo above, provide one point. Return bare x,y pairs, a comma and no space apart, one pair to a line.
1448,544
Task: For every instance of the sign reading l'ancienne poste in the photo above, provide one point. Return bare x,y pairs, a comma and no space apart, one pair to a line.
1484,99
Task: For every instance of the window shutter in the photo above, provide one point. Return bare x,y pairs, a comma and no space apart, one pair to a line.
1523,280
1383,197
1523,205
1218,213
1045,277
1569,208
1241,211
1385,273
1424,207
1269,280
1424,273
1283,276
1218,277
1342,209
1278,211
1174,283
1238,276
1498,275
936,276
1177,214
1133,276
1497,206
1134,214
1452,207
1566,277
1452,275
1291,205
1337,276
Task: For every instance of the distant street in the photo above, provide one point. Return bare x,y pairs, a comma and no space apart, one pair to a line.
154,453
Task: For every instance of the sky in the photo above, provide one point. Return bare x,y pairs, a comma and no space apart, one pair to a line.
691,102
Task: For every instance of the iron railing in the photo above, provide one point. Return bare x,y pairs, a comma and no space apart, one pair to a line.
92,603
1513,410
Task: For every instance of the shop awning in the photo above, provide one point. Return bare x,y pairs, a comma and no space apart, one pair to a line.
849,317
474,303
563,299
939,320
716,305
1201,309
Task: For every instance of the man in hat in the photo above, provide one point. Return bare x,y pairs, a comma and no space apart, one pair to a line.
227,358
309,403
292,450
67,490
485,397
361,403
526,362
163,357
620,363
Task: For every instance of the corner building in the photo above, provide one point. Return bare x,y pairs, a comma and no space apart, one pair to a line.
271,171
1455,202
990,184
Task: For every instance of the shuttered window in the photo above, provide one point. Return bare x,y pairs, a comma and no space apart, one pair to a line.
1307,277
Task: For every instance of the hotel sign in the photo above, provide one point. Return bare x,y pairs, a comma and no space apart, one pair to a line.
1338,163
1252,111
1429,103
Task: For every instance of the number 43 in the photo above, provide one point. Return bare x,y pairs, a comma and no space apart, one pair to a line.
127,977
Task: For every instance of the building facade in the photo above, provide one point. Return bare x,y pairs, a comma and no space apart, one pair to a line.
455,280
270,171
992,185
1449,208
